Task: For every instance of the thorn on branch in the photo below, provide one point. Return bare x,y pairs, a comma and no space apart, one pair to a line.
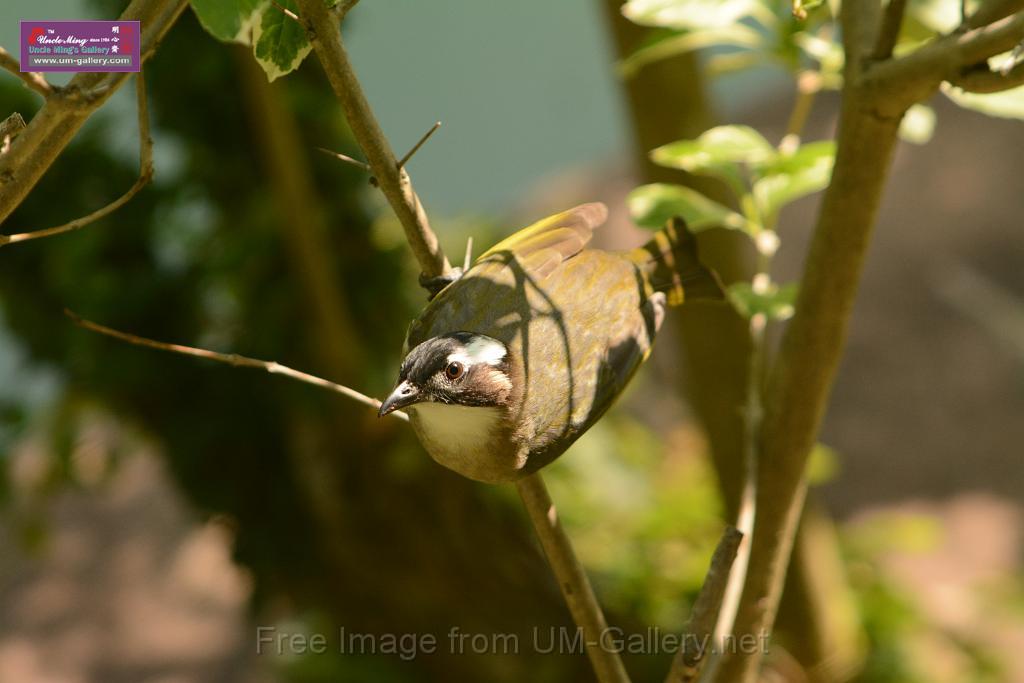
145,175
415,148
469,254
347,159
232,359
362,165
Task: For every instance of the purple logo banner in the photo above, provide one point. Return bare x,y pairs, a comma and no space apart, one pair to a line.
80,46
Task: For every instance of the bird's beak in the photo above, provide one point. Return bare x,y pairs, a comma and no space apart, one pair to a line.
404,394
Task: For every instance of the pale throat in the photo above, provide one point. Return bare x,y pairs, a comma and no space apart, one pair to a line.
453,428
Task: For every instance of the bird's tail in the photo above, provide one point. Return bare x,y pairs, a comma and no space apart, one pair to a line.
672,266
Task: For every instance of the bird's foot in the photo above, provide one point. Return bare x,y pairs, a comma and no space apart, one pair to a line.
435,284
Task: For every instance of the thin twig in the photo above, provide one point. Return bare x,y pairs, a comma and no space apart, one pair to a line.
394,181
232,359
889,32
808,85
572,579
35,81
700,627
415,148
145,175
985,80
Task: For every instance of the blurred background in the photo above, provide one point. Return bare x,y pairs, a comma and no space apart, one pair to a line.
155,510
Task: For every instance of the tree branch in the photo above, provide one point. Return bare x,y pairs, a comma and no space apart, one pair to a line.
394,181
9,129
993,10
232,359
572,579
889,32
56,123
34,81
145,175
985,80
701,625
897,83
801,381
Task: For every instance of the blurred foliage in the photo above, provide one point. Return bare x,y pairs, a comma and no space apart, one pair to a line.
198,258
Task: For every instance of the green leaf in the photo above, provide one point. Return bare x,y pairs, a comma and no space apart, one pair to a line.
717,152
230,21
789,177
918,124
676,43
279,43
775,304
688,14
652,205
1008,104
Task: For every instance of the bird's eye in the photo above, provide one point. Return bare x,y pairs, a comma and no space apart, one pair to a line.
454,370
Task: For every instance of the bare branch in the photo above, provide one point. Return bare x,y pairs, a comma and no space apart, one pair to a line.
145,175
701,625
985,80
572,579
35,81
232,359
394,181
53,126
889,31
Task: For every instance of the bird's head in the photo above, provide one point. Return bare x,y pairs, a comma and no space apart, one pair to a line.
461,368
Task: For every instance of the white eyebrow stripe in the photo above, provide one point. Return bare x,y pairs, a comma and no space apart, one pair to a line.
480,350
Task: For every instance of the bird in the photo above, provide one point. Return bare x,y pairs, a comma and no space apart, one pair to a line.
513,361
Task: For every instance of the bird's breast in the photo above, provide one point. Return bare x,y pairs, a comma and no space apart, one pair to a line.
468,439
